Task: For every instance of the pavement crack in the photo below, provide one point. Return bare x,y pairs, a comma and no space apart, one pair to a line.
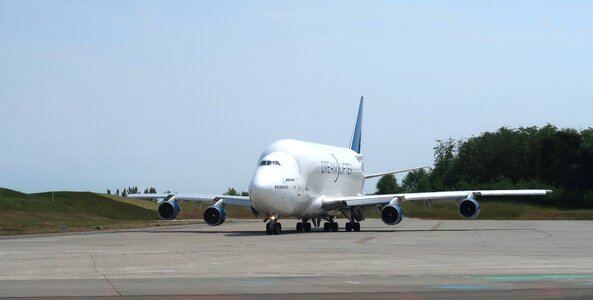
205,265
111,284
93,261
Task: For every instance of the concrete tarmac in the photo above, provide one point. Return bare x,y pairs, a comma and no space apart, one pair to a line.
417,259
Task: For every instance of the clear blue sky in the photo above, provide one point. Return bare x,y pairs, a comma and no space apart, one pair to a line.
184,95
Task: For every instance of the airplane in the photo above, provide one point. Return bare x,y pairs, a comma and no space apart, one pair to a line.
314,182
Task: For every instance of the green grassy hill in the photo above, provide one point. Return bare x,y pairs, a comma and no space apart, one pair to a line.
82,211
68,211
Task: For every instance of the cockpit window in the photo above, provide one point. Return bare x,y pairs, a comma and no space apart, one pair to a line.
276,162
269,163
262,163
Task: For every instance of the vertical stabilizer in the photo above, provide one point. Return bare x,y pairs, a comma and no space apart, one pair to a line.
357,134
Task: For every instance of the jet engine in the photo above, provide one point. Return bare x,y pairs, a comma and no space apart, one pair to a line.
469,208
215,215
168,210
392,214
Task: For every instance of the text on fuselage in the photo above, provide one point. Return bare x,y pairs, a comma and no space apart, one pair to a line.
336,168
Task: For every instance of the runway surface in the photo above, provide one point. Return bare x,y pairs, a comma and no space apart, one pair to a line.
418,259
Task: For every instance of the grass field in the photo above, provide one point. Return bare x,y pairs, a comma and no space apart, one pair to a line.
71,211
499,210
83,211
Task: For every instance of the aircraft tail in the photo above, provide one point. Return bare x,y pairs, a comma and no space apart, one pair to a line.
357,134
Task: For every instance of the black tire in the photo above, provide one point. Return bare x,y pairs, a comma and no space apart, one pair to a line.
268,228
356,227
299,227
276,228
348,227
326,227
307,227
334,227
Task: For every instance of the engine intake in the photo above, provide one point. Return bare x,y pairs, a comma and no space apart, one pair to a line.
392,214
469,208
214,215
168,210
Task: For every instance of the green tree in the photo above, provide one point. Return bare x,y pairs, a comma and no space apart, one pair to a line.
387,184
231,192
417,181
445,154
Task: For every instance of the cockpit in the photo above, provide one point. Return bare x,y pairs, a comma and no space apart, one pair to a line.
269,163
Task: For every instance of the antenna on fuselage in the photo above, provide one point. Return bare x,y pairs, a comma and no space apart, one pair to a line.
357,134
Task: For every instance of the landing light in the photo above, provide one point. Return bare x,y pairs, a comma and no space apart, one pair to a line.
273,217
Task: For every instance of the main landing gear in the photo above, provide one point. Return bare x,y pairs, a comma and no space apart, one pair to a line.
330,226
354,217
303,226
352,226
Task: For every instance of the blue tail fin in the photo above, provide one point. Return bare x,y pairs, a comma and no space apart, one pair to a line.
357,134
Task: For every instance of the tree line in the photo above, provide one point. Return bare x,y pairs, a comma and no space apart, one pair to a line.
133,190
151,190
525,157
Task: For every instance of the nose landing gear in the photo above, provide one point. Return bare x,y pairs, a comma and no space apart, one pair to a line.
273,226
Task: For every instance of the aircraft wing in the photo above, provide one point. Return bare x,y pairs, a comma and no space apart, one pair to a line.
227,199
367,176
339,202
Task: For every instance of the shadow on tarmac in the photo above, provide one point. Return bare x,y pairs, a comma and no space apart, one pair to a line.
320,230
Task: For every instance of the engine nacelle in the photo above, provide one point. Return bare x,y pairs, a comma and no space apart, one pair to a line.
392,214
469,208
214,215
168,210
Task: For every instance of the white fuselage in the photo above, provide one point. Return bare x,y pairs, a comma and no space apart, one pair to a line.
292,177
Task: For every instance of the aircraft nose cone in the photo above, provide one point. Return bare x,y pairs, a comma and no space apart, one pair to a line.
265,196
260,185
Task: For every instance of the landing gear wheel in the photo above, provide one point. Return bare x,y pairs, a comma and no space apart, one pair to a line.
334,227
326,227
307,227
299,227
356,226
348,226
268,228
276,228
